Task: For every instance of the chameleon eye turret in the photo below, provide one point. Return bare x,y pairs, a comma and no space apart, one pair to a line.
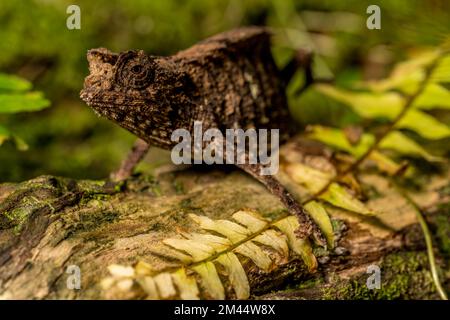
134,69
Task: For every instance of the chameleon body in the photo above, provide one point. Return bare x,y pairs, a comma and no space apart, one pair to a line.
228,81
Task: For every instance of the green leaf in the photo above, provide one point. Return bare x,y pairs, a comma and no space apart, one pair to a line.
4,135
442,72
394,141
366,104
340,197
406,75
13,103
397,141
21,145
384,163
337,139
424,124
434,96
13,83
314,180
320,216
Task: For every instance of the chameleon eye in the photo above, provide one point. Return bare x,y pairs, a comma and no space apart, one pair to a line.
134,70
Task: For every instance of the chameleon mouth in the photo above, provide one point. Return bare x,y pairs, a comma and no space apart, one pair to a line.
87,96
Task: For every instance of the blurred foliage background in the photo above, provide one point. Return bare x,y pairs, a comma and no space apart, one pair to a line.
68,139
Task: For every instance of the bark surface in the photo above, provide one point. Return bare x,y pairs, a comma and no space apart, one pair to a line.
49,223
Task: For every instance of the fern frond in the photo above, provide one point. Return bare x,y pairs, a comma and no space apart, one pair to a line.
223,243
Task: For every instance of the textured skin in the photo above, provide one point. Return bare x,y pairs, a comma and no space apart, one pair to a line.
226,81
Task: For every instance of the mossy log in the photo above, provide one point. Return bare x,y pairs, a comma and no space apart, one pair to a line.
50,223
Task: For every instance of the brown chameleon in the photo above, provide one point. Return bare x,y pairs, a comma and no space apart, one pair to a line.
226,81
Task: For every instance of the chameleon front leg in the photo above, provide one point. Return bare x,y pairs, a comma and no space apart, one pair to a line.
307,225
138,151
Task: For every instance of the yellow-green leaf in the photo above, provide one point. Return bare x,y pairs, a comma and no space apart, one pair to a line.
256,254
187,286
434,96
384,163
249,220
4,135
442,72
339,197
274,239
32,101
301,247
233,231
236,274
336,138
424,124
397,141
314,180
149,286
216,242
320,216
165,286
197,250
143,268
406,75
175,254
118,270
210,280
367,104
13,83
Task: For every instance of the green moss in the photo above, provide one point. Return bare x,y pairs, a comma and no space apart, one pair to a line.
99,197
308,284
179,187
17,217
403,276
91,221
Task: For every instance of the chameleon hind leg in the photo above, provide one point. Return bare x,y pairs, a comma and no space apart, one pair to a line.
307,225
137,153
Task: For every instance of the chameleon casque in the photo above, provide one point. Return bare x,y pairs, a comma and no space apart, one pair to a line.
226,81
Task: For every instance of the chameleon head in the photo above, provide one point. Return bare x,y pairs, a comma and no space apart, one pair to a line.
135,90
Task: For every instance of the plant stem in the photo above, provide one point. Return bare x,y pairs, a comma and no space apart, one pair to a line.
428,241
